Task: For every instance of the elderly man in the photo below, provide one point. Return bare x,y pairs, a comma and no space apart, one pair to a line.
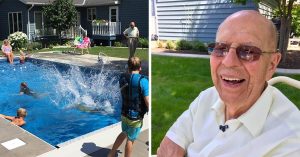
132,35
241,115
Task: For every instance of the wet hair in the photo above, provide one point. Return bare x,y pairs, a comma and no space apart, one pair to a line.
21,112
24,84
134,64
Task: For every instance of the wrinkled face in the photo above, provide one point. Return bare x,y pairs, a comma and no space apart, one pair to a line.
132,25
238,81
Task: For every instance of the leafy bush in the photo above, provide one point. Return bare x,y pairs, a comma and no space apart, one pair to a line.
170,45
160,44
18,40
143,43
34,46
118,44
199,46
184,45
50,46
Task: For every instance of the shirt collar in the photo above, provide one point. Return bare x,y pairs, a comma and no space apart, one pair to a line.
254,119
219,108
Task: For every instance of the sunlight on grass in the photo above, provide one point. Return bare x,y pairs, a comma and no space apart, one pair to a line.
110,51
176,82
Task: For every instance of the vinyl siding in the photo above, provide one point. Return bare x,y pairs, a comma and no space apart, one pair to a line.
135,10
11,6
194,19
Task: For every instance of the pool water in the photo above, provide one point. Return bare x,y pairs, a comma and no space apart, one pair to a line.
67,94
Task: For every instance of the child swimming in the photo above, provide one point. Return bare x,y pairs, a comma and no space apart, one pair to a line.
19,119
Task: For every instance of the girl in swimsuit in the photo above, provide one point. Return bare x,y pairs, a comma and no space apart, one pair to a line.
7,51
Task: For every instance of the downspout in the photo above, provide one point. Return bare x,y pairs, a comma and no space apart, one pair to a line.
83,3
156,19
28,23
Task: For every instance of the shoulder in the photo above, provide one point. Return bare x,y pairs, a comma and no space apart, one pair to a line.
284,111
206,99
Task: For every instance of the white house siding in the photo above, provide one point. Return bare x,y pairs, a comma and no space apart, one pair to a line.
194,19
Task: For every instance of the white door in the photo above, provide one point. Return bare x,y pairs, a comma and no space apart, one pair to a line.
114,14
114,25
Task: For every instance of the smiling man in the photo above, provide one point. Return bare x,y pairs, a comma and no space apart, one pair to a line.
241,115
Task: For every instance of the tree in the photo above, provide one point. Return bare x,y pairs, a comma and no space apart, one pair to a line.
60,15
285,14
295,30
296,21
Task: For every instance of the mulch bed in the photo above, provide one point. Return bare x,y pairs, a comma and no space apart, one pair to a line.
292,57
292,60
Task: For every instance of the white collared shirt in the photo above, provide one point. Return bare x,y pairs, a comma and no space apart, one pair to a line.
132,32
271,127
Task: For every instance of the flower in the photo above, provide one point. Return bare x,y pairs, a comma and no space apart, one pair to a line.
18,40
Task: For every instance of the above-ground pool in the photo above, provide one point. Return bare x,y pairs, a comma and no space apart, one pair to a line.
72,100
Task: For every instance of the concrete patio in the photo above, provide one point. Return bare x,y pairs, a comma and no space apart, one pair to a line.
33,145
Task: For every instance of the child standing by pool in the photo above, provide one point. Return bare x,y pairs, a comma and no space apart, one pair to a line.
19,119
7,51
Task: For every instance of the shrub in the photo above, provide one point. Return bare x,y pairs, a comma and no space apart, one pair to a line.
34,46
118,44
170,45
184,45
160,44
18,40
143,43
199,46
51,46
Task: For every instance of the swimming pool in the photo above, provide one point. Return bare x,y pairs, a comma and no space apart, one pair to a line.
67,95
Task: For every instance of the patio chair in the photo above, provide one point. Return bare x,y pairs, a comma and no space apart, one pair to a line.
81,44
286,80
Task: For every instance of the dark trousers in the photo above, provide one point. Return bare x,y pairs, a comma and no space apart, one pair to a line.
132,44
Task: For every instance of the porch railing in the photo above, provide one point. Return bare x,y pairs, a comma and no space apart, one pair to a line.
107,29
67,34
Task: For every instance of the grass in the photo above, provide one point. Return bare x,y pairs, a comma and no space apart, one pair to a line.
176,82
110,51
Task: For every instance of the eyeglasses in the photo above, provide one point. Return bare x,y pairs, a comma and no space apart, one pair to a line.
244,52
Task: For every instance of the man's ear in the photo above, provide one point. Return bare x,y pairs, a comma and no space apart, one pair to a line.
275,59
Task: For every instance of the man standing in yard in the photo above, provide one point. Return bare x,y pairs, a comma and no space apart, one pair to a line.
132,35
241,115
135,95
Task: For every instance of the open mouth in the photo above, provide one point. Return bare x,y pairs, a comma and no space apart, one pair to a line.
232,80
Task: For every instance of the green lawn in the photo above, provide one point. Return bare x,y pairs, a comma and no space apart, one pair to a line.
176,82
110,51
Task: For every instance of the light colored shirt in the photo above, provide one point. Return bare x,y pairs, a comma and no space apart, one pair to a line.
132,32
271,127
6,49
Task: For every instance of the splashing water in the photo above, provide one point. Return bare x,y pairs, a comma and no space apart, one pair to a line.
86,89
69,97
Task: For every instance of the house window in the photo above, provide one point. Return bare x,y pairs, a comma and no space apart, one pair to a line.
91,14
15,22
38,19
113,14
